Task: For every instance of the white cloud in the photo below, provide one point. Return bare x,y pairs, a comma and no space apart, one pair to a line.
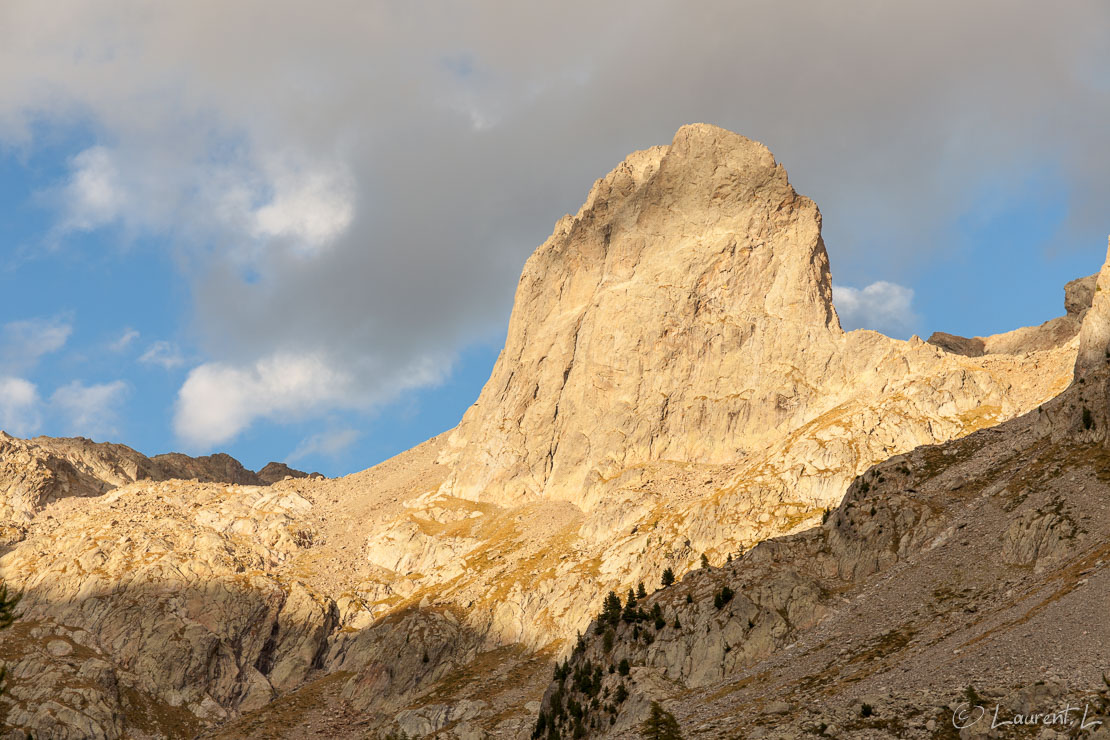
22,343
882,306
312,209
19,406
163,353
218,400
125,340
89,410
330,444
93,196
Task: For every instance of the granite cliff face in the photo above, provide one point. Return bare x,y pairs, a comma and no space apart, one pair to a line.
674,383
685,314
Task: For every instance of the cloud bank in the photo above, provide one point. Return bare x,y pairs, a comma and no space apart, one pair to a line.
352,188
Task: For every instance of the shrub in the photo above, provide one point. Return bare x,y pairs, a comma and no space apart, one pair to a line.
866,710
723,597
624,668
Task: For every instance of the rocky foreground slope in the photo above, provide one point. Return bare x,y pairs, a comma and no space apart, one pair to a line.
675,383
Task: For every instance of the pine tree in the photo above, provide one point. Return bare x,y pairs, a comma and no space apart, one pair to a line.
668,577
704,560
622,693
660,725
630,613
641,592
611,611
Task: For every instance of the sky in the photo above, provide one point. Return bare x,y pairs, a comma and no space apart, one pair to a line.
292,231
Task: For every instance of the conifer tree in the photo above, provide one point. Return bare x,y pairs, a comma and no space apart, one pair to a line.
660,725
668,577
611,612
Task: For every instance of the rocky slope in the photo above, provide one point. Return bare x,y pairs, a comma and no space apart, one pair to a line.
36,472
952,582
675,382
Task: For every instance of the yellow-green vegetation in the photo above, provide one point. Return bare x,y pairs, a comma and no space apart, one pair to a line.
980,417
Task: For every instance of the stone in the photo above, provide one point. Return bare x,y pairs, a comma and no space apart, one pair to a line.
59,648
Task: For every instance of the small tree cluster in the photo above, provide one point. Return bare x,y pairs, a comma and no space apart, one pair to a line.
580,703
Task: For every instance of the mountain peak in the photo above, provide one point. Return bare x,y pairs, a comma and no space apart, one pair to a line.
650,314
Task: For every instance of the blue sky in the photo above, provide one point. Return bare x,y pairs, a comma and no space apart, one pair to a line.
299,241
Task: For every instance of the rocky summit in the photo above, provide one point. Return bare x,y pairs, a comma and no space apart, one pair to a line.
858,533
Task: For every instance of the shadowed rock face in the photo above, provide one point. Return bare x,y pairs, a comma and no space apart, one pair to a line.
674,382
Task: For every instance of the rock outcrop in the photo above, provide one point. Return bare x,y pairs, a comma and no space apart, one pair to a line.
1078,295
675,383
